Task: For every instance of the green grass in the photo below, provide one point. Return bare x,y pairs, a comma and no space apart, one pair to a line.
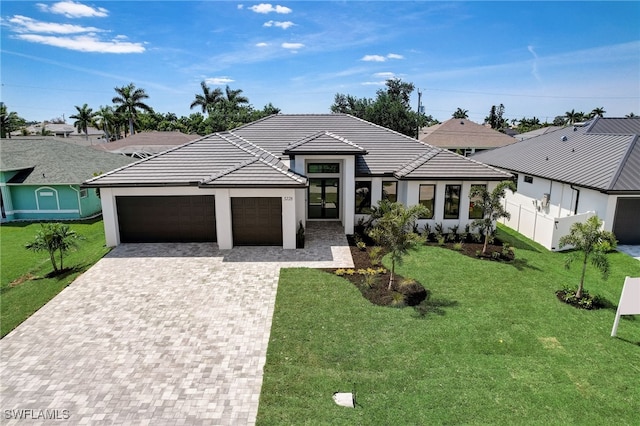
497,347
20,300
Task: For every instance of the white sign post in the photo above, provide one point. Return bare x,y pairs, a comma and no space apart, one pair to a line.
629,301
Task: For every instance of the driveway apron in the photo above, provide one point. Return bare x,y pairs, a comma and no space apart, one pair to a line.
156,334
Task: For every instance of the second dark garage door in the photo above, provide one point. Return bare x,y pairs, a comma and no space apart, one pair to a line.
257,221
626,225
161,219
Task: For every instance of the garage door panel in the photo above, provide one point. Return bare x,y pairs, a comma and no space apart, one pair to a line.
626,225
166,218
257,221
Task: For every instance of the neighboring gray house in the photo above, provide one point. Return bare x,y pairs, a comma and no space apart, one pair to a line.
572,173
464,136
255,184
40,178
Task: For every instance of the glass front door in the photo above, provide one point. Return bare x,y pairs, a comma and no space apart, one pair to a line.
324,198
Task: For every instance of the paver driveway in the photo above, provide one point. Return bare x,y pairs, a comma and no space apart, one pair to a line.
156,334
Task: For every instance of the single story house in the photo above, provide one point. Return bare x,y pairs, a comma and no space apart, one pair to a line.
570,174
255,184
40,178
464,136
146,144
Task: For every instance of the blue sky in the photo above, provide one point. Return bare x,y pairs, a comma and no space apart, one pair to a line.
537,58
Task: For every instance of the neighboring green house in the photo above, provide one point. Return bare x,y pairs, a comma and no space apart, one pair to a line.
40,178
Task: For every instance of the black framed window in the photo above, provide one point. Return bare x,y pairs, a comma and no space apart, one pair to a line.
475,211
323,168
528,179
363,197
427,198
452,201
390,191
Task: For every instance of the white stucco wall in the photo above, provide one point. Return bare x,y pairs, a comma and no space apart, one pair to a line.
567,204
223,209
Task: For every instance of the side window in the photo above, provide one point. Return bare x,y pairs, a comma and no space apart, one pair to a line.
528,179
452,201
390,191
475,211
427,198
363,197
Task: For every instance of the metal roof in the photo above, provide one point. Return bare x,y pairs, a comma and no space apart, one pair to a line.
230,158
604,161
49,160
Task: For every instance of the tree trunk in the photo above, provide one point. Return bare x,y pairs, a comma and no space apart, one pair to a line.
61,265
130,126
52,256
392,274
486,243
584,270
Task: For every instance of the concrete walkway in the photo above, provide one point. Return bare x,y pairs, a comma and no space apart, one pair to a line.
633,251
156,334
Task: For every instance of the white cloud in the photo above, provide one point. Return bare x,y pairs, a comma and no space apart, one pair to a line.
86,43
534,67
394,56
71,9
384,75
262,44
374,83
23,24
241,6
373,58
292,46
218,81
284,25
268,8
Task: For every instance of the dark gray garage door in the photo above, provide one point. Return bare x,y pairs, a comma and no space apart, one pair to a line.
167,219
257,221
626,224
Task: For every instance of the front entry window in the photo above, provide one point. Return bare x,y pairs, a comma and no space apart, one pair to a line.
324,197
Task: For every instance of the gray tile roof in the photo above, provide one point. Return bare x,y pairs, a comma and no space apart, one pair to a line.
604,161
231,158
148,142
49,160
460,133
324,142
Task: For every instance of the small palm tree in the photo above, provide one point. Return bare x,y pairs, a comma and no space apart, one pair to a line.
393,231
129,101
593,242
52,238
84,118
208,100
490,203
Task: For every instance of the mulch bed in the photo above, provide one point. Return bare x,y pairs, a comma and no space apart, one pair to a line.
404,292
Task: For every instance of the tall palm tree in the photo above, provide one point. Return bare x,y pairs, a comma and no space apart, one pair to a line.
105,120
571,116
84,118
597,112
234,99
461,113
129,101
208,100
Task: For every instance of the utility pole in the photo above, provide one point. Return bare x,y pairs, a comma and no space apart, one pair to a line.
419,112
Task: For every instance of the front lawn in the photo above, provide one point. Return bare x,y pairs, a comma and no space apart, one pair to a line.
23,286
495,347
